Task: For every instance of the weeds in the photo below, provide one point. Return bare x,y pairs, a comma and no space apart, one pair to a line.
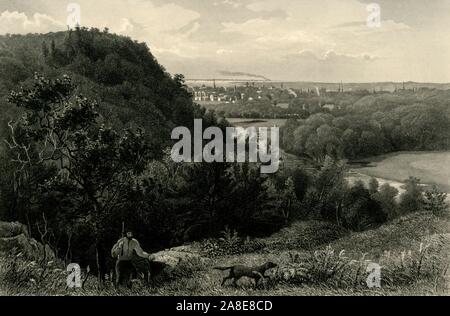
335,270
230,244
20,275
425,263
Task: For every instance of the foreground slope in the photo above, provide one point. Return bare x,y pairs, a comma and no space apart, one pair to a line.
413,252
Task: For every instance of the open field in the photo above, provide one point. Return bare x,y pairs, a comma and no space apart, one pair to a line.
247,122
432,168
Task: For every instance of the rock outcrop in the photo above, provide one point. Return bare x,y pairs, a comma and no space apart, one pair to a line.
12,229
14,239
174,256
169,263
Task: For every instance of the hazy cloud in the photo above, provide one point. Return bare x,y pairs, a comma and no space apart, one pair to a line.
284,39
20,23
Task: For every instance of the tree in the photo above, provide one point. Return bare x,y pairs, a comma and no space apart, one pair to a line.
360,210
341,122
350,144
289,200
45,50
435,201
412,199
301,181
282,198
330,187
299,138
386,196
373,186
95,163
329,139
314,148
369,143
53,48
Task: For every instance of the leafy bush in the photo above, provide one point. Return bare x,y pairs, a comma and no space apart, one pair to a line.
435,202
230,244
307,235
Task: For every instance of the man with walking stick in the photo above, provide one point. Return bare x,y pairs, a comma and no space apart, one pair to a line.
123,251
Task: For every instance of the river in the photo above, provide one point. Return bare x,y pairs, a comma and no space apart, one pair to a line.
432,168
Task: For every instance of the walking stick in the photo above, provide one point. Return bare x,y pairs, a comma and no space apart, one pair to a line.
123,235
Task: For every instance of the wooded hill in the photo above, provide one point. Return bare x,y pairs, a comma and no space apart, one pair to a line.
122,75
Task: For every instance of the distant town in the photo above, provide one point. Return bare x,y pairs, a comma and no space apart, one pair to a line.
266,99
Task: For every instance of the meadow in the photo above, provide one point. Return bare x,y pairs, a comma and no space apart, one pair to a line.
245,122
432,168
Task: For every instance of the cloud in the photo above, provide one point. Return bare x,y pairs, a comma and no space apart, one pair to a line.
189,29
126,26
332,57
350,24
362,27
166,27
19,23
223,51
233,3
284,39
415,13
306,55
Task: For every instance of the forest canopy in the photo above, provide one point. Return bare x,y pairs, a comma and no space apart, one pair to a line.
374,124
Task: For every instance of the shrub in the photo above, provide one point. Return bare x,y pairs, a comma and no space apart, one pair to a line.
435,202
230,244
307,235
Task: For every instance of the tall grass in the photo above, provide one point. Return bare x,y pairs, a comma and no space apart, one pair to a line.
424,264
413,254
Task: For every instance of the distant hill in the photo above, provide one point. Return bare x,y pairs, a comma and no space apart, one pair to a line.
132,88
230,81
370,86
387,101
305,85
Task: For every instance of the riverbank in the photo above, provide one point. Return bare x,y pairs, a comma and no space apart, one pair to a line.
432,168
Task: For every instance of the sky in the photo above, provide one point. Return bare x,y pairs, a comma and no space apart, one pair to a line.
289,40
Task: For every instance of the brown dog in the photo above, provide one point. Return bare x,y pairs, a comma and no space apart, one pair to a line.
239,271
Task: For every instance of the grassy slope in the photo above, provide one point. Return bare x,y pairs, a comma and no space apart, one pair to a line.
405,233
402,234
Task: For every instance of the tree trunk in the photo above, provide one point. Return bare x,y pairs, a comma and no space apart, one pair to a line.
99,269
338,211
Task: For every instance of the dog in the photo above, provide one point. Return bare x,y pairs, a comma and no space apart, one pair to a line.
239,271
